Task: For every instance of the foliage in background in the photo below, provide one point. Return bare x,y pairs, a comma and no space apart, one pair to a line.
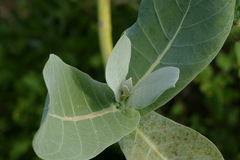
32,29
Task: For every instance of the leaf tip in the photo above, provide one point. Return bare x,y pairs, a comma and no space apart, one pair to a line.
53,56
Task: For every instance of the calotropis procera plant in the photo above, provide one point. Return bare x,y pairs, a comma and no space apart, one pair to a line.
170,43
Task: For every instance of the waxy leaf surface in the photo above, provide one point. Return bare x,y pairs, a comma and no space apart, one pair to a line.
159,138
186,34
118,65
80,118
149,89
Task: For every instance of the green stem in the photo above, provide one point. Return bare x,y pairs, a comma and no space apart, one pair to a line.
105,28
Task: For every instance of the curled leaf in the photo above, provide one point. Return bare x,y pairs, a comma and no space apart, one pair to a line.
80,118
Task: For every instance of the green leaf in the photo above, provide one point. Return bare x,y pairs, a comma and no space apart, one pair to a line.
149,89
80,118
118,65
186,34
159,138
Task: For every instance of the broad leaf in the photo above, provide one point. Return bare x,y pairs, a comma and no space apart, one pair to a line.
118,65
186,34
80,118
149,89
159,138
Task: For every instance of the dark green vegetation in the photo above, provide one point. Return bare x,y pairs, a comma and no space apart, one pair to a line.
31,30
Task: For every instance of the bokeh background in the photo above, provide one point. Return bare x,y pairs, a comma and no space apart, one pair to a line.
32,29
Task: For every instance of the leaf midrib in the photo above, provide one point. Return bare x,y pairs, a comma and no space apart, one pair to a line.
150,143
157,62
88,116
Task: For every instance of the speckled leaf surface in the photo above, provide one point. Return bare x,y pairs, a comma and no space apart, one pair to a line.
80,118
159,138
186,34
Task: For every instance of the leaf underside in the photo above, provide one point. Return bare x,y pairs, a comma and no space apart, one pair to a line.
159,138
80,118
186,34
150,88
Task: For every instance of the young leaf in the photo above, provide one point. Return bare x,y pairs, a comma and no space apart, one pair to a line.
186,34
126,88
159,138
80,119
150,88
118,64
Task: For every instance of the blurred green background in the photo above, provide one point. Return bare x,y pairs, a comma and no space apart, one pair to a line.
32,29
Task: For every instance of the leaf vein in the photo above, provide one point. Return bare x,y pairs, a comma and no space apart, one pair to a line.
88,116
209,17
98,142
79,83
159,20
150,144
179,6
191,44
68,93
168,46
134,71
148,38
142,54
197,3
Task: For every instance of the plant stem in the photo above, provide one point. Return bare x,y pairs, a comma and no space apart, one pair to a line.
105,28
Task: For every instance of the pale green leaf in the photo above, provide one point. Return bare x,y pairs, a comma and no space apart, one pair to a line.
186,34
80,118
159,138
149,89
118,65
126,88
